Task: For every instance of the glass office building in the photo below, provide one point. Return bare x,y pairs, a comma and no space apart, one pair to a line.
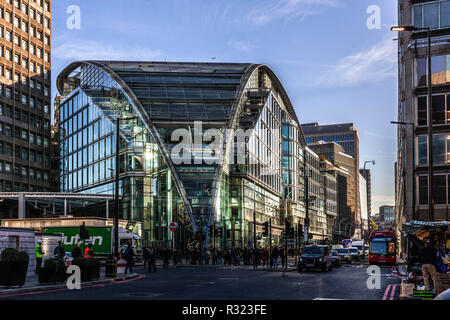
174,107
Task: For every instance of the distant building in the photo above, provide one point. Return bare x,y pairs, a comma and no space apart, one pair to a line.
364,207
346,135
341,165
366,174
385,219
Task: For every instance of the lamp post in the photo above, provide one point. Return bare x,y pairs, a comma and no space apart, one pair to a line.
430,117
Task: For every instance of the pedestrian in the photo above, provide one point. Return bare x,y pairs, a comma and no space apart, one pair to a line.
39,254
166,258
275,257
152,260
145,255
59,251
129,257
76,252
428,260
283,257
88,252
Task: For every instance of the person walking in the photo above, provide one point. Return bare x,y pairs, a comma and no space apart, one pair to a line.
166,258
275,257
151,260
39,254
428,260
88,252
129,258
76,252
145,255
59,251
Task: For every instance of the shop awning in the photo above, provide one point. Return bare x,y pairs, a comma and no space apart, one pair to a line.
412,227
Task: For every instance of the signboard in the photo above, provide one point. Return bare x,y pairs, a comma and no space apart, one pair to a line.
100,237
173,226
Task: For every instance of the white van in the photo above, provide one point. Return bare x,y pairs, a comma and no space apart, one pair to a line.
360,246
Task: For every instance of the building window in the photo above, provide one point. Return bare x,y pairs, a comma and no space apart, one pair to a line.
434,15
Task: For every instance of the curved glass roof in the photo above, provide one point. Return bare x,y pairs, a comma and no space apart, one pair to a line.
174,95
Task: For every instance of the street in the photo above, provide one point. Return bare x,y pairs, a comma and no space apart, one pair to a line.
227,283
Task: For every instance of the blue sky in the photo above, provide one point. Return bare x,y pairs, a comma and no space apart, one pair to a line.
334,68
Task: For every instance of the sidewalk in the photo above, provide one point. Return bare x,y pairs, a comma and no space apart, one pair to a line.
32,283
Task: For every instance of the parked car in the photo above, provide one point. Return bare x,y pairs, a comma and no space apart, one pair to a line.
336,246
315,257
337,260
345,255
354,253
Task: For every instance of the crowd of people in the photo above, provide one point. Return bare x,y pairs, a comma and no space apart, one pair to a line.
227,257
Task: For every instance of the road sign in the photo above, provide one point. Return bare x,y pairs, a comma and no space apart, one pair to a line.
173,226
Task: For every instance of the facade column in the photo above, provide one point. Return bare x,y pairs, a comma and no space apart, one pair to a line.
21,206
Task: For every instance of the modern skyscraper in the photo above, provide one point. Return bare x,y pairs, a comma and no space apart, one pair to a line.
346,135
412,161
25,48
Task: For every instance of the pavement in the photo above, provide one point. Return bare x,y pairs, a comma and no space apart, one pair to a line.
32,283
206,282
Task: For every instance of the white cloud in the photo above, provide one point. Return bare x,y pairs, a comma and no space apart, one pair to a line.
288,9
373,65
89,49
240,45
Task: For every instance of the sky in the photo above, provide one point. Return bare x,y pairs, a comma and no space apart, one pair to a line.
337,59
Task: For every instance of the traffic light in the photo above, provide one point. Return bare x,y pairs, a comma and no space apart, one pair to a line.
220,232
266,229
300,231
84,233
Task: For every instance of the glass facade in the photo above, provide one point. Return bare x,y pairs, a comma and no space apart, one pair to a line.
159,182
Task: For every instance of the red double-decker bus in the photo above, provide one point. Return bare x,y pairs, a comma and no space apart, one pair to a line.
382,247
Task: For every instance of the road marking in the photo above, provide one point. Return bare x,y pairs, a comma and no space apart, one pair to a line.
393,291
228,278
326,299
208,282
387,292
192,285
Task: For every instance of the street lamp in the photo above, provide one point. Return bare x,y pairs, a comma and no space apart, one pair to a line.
430,119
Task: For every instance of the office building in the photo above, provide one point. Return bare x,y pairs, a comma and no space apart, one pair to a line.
25,139
412,143
180,158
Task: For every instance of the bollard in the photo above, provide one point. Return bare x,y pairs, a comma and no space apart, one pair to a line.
121,264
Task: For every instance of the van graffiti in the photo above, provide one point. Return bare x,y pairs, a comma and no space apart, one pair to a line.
95,240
